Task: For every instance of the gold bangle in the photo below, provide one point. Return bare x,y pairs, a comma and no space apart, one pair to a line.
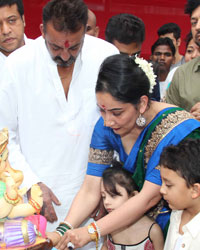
164,212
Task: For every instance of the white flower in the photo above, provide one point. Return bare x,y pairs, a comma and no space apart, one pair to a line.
148,70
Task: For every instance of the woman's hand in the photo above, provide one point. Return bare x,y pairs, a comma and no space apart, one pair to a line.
78,237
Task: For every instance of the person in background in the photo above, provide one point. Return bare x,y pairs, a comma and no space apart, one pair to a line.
12,25
127,33
138,129
180,173
192,49
117,186
185,88
47,101
92,29
163,53
173,31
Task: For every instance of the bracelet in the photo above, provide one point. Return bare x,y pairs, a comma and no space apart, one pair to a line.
98,230
94,236
10,200
63,227
69,226
35,205
58,233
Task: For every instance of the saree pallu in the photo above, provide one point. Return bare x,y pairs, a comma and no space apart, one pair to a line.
169,127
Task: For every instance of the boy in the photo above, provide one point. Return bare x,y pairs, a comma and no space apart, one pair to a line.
180,173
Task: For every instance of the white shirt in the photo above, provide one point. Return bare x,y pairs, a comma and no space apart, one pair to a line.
3,57
191,236
54,133
165,84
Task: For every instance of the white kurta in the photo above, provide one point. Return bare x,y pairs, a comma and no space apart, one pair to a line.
3,57
190,239
54,133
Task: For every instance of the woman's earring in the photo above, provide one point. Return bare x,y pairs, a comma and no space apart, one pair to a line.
141,121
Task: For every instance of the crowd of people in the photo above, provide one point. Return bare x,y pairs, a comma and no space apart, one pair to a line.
112,140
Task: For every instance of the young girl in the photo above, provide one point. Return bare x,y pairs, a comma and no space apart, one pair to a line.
117,186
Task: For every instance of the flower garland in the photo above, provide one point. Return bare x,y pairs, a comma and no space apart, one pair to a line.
148,70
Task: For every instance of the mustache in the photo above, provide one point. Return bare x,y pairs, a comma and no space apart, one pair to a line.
63,63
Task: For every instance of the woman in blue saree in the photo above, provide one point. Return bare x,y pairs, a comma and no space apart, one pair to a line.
135,128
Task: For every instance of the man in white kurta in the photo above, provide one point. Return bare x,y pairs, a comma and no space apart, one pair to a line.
49,134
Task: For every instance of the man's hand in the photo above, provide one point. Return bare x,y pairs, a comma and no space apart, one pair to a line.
48,198
99,211
195,111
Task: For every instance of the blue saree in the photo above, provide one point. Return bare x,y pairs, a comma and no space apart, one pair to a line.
169,127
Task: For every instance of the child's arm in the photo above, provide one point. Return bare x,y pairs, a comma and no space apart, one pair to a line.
104,246
157,238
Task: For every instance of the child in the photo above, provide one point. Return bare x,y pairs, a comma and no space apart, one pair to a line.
117,186
180,173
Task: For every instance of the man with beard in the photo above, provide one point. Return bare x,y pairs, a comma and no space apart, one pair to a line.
12,24
163,55
47,101
185,87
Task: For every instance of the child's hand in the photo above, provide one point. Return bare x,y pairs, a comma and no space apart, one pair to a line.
54,237
104,247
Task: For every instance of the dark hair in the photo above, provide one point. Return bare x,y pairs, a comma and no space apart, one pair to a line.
123,79
116,174
19,3
163,41
170,28
66,15
125,28
188,38
191,5
183,159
